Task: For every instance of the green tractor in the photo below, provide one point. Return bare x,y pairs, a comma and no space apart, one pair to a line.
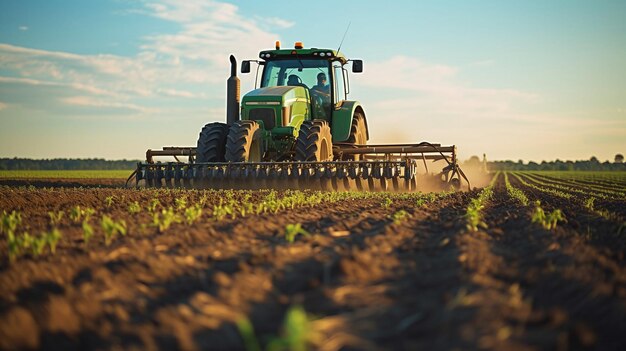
298,129
300,110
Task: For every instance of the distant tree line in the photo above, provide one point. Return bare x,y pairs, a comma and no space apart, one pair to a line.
7,164
588,165
99,163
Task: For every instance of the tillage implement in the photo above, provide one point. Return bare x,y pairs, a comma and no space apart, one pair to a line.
297,130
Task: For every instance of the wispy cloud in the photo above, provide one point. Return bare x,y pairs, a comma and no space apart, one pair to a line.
90,101
275,22
436,89
191,63
23,28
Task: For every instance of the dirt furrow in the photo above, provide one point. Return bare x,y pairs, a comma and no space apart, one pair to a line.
542,289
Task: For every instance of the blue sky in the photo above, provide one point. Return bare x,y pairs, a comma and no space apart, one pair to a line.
531,80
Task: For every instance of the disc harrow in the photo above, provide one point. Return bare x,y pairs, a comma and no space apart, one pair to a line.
382,168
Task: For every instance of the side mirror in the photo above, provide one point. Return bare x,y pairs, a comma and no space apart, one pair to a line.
245,66
357,66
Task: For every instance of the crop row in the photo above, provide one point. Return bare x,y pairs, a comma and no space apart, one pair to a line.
606,178
573,188
547,220
164,208
473,213
588,200
522,179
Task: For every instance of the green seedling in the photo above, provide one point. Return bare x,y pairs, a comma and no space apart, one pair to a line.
399,216
153,205
52,239
165,219
112,228
386,202
181,203
14,244
193,213
134,208
474,217
246,329
203,200
10,222
35,244
87,213
55,217
75,214
296,333
547,221
292,230
473,214
221,211
109,200
87,232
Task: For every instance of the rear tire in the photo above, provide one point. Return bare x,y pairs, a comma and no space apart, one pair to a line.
358,134
314,142
211,145
243,143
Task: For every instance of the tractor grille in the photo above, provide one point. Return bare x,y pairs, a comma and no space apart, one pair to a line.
267,115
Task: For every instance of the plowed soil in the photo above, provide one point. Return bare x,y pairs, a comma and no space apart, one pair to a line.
423,281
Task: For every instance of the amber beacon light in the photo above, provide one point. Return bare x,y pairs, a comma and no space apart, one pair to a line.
277,44
298,45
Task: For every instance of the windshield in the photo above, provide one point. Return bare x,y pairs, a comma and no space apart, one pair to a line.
295,72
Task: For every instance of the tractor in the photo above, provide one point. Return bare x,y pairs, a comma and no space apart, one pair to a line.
298,129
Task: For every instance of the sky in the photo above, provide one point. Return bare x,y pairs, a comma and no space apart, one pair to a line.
531,80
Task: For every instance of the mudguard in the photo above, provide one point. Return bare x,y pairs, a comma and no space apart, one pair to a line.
342,120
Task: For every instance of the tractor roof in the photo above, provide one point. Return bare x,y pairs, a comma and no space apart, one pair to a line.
300,52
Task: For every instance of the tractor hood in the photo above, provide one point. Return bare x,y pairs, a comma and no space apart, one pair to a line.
281,95
281,108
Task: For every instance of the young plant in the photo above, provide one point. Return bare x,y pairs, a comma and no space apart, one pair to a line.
55,217
35,244
181,203
292,230
14,244
165,219
153,205
76,213
112,228
473,215
296,333
10,222
134,207
221,211
386,202
399,216
193,213
87,232
109,200
52,238
547,221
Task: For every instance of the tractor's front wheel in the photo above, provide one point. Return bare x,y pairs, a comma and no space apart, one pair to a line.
211,145
314,142
244,142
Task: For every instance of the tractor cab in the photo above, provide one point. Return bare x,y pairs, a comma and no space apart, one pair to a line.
318,75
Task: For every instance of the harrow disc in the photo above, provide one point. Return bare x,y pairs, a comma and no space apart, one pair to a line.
365,175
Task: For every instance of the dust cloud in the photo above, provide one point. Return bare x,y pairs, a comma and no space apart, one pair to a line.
476,172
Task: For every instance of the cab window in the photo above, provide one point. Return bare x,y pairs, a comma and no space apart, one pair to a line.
340,88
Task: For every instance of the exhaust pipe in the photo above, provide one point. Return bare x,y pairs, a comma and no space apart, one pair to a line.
232,94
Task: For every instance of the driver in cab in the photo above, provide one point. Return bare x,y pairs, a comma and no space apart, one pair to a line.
321,86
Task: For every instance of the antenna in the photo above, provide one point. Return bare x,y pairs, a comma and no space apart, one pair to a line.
344,36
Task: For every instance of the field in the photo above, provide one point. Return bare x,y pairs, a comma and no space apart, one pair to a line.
534,260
